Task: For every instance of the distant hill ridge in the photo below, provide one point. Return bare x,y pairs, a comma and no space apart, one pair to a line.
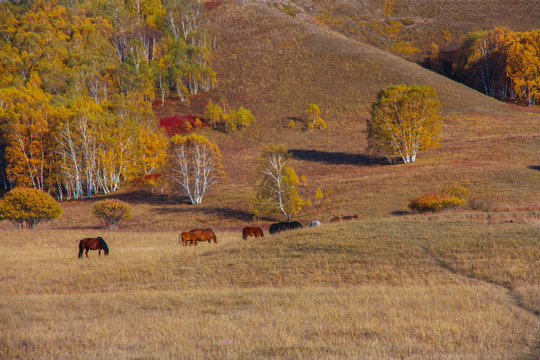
269,60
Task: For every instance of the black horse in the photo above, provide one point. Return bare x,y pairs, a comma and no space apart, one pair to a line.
93,244
283,226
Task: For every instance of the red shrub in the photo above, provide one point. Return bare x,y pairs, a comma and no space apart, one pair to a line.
181,124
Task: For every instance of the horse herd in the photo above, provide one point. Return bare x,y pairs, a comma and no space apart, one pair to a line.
192,237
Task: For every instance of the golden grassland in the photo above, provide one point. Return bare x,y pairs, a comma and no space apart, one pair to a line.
369,289
458,285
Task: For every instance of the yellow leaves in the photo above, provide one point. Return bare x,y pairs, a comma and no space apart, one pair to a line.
276,192
111,212
523,67
230,120
290,176
243,118
215,114
100,127
28,207
319,195
194,165
313,113
404,121
273,151
152,149
405,47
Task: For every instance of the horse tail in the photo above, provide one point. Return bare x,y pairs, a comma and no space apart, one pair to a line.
80,249
244,233
103,245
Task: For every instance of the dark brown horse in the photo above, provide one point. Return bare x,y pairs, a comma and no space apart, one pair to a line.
93,244
344,218
204,235
252,231
188,237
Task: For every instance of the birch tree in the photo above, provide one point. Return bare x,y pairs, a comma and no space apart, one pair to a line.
275,192
524,66
195,165
404,121
314,116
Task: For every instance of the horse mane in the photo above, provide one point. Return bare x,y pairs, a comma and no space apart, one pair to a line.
103,244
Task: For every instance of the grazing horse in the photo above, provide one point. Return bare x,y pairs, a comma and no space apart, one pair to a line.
315,223
344,218
188,237
252,231
93,244
283,226
204,235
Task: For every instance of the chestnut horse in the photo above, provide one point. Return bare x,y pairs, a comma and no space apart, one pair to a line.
186,237
93,244
252,231
204,235
344,218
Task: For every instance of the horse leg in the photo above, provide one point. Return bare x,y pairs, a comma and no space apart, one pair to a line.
86,253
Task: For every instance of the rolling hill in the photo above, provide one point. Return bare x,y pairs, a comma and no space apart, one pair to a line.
275,65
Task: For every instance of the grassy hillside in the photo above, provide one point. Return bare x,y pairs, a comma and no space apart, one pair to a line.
363,289
408,28
275,65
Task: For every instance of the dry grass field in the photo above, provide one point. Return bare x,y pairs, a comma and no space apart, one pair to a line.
463,284
359,290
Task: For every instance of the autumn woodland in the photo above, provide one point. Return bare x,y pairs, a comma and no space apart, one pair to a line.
408,129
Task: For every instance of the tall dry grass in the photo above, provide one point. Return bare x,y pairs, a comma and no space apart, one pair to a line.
363,289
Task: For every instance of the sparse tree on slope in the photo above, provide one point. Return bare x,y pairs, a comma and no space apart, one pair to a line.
404,121
314,116
276,192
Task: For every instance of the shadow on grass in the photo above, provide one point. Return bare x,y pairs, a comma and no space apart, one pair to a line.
534,167
401,212
338,158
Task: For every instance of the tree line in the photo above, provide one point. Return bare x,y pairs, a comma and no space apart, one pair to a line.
501,63
76,83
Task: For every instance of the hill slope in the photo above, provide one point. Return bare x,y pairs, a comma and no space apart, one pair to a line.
275,65
279,64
